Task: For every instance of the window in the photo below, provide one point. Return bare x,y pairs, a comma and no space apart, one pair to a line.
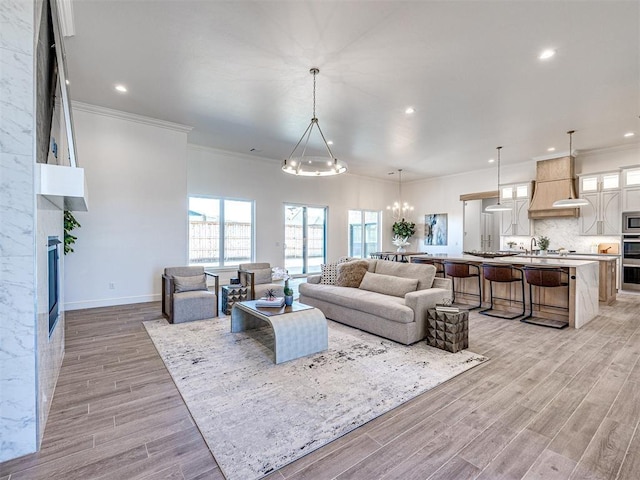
364,233
220,231
305,237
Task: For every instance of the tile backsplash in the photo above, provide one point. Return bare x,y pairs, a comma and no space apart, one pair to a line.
563,233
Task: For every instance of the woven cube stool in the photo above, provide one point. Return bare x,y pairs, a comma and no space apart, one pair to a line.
448,331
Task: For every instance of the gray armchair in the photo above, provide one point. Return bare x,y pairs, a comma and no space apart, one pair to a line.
257,277
185,296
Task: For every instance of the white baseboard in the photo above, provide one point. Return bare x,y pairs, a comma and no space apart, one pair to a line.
110,302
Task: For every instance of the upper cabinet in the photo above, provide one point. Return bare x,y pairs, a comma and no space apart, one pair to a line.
515,221
630,189
602,215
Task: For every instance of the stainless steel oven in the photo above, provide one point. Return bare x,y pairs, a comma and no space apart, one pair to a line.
630,223
631,262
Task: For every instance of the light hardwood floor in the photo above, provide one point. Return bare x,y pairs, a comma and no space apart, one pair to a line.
551,404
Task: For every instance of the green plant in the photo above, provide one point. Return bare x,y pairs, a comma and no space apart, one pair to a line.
70,223
288,291
543,242
404,229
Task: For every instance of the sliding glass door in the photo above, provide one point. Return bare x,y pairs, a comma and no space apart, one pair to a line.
305,238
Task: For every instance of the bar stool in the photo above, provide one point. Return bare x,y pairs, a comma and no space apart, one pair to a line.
502,273
463,270
436,262
545,277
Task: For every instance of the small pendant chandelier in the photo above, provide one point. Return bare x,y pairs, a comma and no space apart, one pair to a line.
572,201
399,209
498,207
313,166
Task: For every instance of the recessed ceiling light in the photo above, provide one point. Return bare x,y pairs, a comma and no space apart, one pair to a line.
409,110
67,81
547,54
121,88
551,149
330,142
491,160
629,134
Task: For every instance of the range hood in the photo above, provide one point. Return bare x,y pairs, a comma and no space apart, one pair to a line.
554,181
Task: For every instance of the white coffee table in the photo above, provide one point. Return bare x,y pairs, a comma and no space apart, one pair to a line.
299,330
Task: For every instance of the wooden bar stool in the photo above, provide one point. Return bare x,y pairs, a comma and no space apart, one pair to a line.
436,262
502,273
464,270
545,277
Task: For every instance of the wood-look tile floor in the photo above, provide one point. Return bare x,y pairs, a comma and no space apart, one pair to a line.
551,404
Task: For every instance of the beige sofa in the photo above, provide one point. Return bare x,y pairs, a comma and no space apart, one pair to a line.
399,318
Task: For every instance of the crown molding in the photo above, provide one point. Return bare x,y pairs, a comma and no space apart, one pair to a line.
66,18
616,148
131,117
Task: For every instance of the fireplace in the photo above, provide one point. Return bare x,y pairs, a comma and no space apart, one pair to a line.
54,281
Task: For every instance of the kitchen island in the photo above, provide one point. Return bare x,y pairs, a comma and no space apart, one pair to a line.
581,296
607,276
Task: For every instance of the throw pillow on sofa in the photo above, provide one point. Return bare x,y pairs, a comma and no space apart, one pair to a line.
330,271
189,284
388,284
350,274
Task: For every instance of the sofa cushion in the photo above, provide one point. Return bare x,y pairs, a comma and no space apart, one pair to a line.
189,284
385,306
350,274
422,272
388,284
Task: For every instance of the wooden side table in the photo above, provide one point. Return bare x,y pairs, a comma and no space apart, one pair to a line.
448,330
232,294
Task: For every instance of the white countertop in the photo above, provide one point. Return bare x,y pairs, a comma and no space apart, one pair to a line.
548,261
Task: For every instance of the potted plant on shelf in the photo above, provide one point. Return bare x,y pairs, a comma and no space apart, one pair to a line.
543,243
403,231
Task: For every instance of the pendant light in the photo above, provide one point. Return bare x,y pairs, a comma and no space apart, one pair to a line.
313,166
399,209
498,207
571,202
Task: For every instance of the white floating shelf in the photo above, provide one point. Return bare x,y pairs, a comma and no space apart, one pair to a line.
63,183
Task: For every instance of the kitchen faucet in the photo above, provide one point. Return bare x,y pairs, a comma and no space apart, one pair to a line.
533,242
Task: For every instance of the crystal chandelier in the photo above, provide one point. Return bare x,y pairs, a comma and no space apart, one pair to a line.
313,166
399,209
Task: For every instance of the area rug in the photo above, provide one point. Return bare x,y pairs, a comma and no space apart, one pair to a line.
257,416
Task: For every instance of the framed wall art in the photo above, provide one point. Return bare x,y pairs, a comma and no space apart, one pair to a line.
435,229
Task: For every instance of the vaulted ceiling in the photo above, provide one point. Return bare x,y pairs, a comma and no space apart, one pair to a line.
238,73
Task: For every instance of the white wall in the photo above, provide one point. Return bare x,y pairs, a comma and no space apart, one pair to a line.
224,174
136,225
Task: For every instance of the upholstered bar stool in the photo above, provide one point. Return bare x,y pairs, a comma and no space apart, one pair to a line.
545,277
436,262
464,270
502,273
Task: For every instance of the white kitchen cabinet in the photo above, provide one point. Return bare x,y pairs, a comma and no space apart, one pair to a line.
602,216
515,221
630,189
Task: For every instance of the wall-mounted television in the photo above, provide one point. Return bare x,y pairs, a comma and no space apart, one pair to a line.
55,135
